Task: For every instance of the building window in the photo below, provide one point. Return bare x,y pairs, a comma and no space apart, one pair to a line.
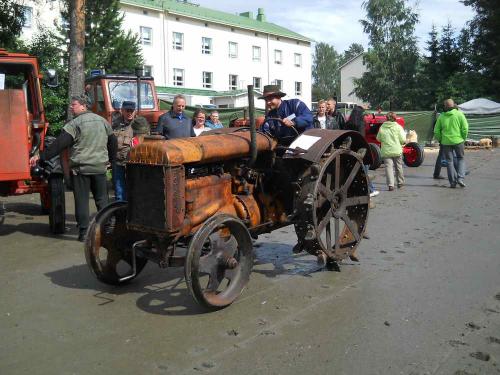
147,71
277,56
146,35
178,77
233,50
207,80
298,88
279,83
257,83
233,82
206,46
178,41
297,57
256,53
28,14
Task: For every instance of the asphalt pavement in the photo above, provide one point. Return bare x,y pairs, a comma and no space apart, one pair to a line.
425,298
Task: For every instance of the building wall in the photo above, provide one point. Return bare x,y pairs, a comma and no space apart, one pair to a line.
353,69
163,58
44,13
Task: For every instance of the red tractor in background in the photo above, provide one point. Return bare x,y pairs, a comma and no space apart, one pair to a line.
23,129
413,153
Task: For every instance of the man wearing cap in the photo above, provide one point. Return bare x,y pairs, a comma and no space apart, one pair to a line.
285,118
92,144
175,123
123,132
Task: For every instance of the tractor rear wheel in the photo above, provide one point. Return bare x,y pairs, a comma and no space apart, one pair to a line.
376,156
335,207
413,154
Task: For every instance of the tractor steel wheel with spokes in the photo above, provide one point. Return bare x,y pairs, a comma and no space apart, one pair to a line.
335,206
219,261
108,246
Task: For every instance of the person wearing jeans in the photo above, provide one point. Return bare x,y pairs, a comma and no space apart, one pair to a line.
456,172
451,131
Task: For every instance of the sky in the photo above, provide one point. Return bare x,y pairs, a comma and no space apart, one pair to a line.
336,22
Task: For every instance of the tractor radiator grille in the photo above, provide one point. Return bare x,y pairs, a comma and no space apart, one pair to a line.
156,197
146,197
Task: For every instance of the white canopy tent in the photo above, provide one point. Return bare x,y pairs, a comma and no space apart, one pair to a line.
480,107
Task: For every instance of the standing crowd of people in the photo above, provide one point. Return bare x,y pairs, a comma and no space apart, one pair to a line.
94,144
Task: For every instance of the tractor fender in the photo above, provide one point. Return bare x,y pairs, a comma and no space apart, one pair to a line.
336,137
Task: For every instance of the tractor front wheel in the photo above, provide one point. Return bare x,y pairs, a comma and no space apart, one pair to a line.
376,156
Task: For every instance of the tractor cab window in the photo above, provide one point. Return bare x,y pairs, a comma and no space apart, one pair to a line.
121,91
20,77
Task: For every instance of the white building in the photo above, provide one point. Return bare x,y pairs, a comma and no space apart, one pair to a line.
351,70
211,56
40,14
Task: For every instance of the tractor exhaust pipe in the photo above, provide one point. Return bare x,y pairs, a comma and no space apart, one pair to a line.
253,131
138,74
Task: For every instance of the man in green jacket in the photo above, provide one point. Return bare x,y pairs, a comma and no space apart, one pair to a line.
451,131
92,145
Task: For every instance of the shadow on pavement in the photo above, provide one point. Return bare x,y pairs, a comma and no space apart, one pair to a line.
164,292
36,229
157,298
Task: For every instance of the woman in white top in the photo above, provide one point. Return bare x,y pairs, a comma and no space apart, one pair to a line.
199,122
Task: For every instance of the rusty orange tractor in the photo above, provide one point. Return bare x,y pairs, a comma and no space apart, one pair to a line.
23,129
198,202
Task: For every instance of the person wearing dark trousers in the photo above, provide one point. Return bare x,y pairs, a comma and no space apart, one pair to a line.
92,145
451,132
122,129
356,122
441,162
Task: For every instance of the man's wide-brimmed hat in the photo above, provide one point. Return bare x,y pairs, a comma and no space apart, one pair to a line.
272,90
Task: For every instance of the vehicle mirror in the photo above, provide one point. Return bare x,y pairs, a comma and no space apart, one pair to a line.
52,79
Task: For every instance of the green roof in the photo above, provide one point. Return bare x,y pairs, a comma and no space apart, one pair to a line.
210,15
199,92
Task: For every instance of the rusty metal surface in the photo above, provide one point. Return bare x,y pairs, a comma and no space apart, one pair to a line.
204,149
205,197
175,201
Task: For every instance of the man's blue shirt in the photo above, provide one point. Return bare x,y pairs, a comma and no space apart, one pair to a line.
303,118
173,125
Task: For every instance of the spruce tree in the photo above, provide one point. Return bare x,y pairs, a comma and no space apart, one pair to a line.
486,42
107,44
11,23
